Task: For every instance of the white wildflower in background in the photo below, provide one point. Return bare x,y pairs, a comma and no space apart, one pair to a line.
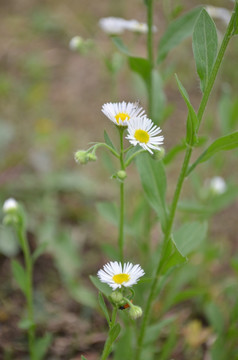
122,113
10,205
139,27
144,132
117,275
75,43
218,185
113,25
219,13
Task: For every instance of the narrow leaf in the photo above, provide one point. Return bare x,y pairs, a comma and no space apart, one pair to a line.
120,45
204,46
103,307
83,358
157,111
41,346
227,142
192,121
177,31
140,66
190,236
19,275
112,336
153,179
39,251
108,140
104,288
172,257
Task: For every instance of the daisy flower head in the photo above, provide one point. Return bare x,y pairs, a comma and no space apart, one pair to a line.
218,185
121,113
144,132
112,25
117,275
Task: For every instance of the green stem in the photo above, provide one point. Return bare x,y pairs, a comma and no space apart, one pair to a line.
105,352
122,200
29,296
181,178
150,54
95,147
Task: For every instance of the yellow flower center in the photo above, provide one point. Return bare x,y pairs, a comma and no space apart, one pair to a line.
122,116
121,278
142,136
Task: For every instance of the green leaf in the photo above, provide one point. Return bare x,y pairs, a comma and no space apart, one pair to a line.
41,346
19,275
83,358
39,251
173,152
153,179
109,211
113,334
9,245
120,45
192,121
153,331
140,66
131,152
227,142
157,112
177,31
26,324
204,46
190,236
124,348
103,307
171,256
215,317
104,288
108,140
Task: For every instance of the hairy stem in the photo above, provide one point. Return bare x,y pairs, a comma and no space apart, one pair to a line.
122,200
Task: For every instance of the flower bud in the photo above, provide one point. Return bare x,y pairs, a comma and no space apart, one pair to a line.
10,206
135,312
158,154
116,297
121,175
76,43
81,157
91,157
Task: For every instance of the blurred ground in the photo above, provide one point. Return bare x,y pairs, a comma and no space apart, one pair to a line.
50,101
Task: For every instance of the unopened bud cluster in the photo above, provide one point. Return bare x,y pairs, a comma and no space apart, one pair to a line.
118,300
12,213
83,157
78,44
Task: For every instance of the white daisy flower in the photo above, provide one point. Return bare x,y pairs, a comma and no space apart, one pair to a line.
144,132
112,25
122,113
139,27
10,205
218,185
117,275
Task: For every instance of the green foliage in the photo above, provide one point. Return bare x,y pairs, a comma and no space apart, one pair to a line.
204,46
192,122
103,307
140,66
189,236
177,31
171,257
227,142
112,336
153,179
19,275
41,346
103,288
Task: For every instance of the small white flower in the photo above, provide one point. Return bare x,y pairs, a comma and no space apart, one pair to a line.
75,43
9,205
144,132
117,275
218,185
219,13
139,27
122,113
113,25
